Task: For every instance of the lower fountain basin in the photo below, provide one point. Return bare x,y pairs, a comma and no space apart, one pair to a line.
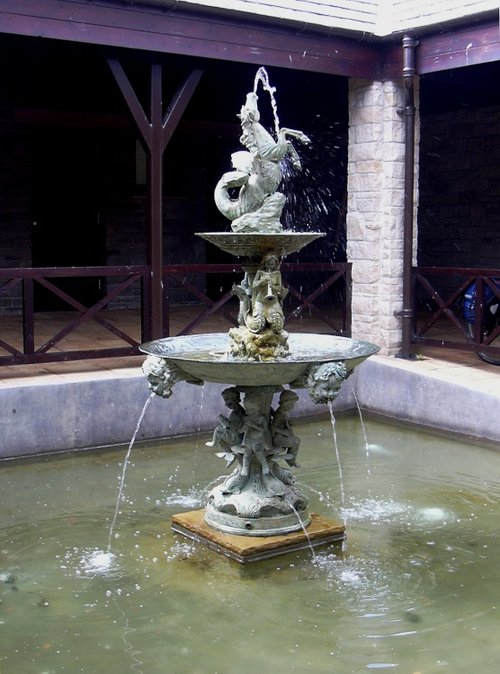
205,357
422,518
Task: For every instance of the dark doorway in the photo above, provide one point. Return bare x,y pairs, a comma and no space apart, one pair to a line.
67,229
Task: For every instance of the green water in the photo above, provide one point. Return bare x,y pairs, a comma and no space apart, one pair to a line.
415,591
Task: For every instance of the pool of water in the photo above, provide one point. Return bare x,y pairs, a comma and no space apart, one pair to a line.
416,589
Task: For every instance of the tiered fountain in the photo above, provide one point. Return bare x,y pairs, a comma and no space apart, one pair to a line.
258,510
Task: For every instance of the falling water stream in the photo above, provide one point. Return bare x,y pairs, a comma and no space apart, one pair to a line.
333,422
416,590
124,471
97,561
365,435
361,421
304,529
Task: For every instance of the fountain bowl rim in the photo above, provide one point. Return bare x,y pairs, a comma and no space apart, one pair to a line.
254,244
201,358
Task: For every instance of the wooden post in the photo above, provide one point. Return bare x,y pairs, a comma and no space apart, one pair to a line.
155,134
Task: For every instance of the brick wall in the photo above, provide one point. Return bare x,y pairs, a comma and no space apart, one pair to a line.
459,212
15,207
122,209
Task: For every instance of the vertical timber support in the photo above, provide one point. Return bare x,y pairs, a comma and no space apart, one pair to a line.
155,134
154,154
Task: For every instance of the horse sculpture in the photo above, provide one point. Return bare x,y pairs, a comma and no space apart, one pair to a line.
257,175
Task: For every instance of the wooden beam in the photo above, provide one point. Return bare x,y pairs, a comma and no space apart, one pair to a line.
133,104
155,201
465,46
110,23
178,105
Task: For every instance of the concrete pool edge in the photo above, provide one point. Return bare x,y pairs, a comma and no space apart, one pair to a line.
445,398
43,415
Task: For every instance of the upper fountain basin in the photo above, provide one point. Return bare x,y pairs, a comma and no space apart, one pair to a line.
205,357
258,244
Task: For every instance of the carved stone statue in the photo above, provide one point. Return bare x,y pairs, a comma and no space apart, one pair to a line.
259,484
281,427
257,174
260,334
162,376
255,211
257,437
324,381
228,432
260,497
268,294
264,345
244,293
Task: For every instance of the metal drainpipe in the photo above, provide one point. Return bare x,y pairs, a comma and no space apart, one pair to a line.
409,45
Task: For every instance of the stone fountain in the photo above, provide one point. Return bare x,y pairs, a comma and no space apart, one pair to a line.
258,510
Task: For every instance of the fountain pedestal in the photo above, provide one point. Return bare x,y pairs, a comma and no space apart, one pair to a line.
259,497
257,511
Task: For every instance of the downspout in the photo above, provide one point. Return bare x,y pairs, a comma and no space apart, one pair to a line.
407,311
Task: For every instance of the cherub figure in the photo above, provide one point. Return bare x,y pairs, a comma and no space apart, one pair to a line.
281,427
256,435
228,431
324,381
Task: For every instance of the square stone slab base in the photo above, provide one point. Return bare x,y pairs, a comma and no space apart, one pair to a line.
246,549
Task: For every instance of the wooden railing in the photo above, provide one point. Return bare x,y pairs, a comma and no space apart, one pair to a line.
439,309
51,349
335,275
438,297
32,345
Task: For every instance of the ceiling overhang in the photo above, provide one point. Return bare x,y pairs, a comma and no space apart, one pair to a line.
167,29
161,30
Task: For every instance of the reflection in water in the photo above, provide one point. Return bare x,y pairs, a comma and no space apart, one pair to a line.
416,590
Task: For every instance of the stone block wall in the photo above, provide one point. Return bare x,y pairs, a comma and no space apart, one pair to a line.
375,210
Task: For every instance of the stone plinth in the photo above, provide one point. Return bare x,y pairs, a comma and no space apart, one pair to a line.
245,549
